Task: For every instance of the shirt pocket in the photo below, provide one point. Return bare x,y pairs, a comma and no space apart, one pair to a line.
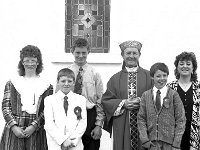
90,89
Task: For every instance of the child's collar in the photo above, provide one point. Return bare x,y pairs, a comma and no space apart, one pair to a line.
164,89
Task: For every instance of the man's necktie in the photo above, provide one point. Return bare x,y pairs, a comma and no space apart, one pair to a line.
78,83
65,104
132,92
158,103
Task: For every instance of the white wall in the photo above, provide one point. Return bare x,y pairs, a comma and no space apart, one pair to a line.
165,28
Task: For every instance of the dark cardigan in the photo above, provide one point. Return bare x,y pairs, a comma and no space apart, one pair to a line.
167,125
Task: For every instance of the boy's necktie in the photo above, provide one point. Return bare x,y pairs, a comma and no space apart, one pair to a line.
78,83
158,103
65,104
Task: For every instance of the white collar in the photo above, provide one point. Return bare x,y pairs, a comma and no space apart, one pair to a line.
84,66
134,69
163,90
61,95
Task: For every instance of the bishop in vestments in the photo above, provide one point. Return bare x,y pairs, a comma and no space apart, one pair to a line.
122,98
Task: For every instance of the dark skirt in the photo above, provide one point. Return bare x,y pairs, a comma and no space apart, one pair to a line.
37,141
185,142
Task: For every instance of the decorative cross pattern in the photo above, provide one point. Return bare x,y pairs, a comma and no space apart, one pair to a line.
132,90
88,20
132,85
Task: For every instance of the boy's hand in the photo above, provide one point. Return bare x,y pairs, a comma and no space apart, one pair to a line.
173,148
148,144
66,144
74,142
96,133
18,131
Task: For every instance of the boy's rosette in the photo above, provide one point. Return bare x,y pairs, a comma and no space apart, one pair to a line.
77,111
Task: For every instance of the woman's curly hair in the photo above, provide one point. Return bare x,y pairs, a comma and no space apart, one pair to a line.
30,51
185,56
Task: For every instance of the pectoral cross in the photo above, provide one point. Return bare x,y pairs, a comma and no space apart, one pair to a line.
131,90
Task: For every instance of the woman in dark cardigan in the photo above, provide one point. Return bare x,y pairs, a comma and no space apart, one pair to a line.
188,88
23,104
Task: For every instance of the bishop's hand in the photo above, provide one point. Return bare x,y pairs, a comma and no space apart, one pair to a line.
132,103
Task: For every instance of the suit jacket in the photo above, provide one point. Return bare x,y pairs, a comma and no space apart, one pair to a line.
167,124
60,127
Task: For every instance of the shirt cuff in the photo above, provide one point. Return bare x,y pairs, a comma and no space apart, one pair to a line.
12,123
99,123
119,109
34,123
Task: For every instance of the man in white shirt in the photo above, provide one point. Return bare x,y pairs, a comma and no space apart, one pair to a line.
89,84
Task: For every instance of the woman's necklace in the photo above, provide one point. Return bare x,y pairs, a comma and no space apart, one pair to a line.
185,86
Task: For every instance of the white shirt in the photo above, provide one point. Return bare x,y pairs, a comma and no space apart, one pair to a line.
30,89
162,94
131,69
60,127
92,86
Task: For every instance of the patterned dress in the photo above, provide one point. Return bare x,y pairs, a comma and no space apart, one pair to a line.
15,113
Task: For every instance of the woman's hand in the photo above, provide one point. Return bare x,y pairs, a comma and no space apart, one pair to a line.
18,131
29,130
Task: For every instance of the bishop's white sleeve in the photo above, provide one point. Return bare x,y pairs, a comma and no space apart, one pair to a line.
50,125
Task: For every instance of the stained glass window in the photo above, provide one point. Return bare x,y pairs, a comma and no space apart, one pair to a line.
88,19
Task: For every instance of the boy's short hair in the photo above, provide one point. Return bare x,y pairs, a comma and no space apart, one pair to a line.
158,66
80,42
66,72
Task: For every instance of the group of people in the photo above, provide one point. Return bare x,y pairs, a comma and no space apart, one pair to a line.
139,108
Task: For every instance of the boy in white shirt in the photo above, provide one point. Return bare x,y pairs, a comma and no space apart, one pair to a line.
65,115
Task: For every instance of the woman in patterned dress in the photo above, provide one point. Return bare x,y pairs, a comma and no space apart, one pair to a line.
188,88
23,104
